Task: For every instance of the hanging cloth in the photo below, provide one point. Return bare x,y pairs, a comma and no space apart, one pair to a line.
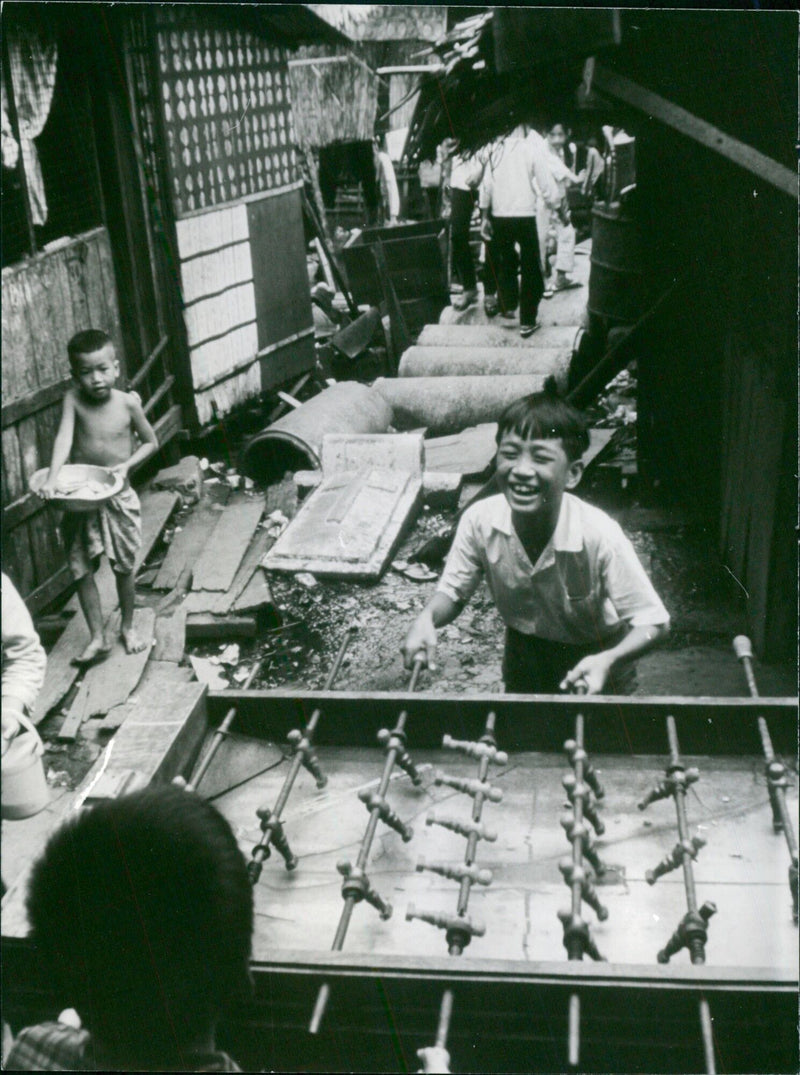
33,54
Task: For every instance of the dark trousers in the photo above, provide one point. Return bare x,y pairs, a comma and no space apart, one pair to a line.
461,204
534,665
510,232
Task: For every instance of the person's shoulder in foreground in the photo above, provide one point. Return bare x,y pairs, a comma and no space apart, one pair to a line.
142,913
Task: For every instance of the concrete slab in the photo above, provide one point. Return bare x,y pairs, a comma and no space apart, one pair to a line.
348,453
350,526
469,453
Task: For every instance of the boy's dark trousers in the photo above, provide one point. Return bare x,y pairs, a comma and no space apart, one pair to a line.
534,665
527,293
461,203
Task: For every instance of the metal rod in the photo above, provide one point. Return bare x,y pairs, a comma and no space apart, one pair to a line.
456,948
776,772
445,1014
355,896
575,950
687,933
679,795
486,748
707,1031
574,1031
220,734
261,851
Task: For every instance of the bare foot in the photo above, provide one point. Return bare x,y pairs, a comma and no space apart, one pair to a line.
133,643
97,649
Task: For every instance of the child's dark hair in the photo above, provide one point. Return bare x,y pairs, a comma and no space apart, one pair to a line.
87,342
545,415
142,910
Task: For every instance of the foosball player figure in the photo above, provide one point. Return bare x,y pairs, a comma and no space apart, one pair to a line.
577,603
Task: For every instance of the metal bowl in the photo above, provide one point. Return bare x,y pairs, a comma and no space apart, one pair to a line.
78,475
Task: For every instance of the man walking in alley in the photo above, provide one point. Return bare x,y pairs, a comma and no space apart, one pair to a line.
516,169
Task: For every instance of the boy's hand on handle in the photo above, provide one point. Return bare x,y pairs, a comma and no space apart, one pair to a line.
588,676
434,1059
420,642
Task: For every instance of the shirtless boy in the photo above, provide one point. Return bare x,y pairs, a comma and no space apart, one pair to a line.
98,423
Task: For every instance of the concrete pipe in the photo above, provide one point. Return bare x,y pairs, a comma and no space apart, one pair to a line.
495,336
484,361
294,442
449,404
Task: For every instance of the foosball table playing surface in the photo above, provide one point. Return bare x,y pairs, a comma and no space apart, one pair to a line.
535,883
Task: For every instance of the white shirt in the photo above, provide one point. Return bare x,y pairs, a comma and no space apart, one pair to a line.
587,579
389,184
466,173
517,166
24,659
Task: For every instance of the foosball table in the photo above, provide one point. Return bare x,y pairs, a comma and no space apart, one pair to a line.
531,883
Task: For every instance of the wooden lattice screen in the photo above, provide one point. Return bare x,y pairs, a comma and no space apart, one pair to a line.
227,111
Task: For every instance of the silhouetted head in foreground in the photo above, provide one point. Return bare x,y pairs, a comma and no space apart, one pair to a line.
142,910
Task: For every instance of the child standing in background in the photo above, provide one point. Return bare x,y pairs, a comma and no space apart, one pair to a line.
98,424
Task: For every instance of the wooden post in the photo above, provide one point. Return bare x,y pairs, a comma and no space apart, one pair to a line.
311,160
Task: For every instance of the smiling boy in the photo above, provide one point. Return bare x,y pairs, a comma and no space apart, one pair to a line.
98,425
577,603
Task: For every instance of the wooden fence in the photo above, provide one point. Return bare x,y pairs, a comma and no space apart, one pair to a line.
46,299
758,513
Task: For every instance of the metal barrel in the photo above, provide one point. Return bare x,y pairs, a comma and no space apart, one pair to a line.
615,280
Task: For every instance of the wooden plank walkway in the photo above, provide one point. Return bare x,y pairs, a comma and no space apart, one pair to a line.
188,543
221,556
221,601
109,683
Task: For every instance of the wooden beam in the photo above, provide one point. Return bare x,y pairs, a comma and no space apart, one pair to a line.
43,397
168,425
159,393
699,130
149,362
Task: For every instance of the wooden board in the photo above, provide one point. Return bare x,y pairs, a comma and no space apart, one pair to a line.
219,561
61,673
220,602
109,683
170,636
204,625
349,526
155,688
256,593
187,544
